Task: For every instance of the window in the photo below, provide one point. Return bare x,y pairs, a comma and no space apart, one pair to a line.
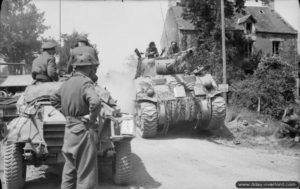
248,28
275,47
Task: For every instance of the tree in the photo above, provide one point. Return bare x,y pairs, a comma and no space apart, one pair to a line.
21,26
205,14
269,90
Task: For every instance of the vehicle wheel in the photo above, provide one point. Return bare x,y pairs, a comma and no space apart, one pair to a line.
148,119
14,167
218,114
122,163
3,130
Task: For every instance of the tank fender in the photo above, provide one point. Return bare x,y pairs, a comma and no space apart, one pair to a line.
214,93
23,129
146,98
142,96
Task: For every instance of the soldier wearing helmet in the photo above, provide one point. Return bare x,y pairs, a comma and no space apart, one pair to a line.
83,46
81,105
44,66
173,49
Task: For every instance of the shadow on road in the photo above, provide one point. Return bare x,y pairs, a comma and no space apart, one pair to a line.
187,131
50,177
140,176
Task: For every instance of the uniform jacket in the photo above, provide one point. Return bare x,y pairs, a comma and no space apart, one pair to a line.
78,97
78,51
44,68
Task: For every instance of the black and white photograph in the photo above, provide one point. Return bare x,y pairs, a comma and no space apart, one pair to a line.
149,94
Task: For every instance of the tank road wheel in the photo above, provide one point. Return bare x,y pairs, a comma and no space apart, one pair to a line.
14,167
3,130
122,163
148,119
218,114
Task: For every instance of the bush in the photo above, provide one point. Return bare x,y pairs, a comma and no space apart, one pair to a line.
270,89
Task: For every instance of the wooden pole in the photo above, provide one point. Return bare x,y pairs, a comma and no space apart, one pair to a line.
60,22
223,45
298,81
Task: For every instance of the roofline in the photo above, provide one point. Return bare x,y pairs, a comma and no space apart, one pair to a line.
285,33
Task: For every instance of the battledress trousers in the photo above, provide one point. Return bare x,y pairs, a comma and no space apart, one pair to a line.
79,150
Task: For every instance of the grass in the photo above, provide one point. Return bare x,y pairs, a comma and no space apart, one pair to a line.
256,130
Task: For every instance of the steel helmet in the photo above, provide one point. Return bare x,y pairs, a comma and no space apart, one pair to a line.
85,59
82,39
48,45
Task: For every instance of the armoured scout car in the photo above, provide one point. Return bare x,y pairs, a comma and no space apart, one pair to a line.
166,95
35,137
13,82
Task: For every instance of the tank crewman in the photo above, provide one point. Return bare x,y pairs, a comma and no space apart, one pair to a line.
44,66
80,104
173,49
83,46
151,51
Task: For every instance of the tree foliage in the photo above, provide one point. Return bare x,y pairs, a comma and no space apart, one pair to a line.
21,26
271,87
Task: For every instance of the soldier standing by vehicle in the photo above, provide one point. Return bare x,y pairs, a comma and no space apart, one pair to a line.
83,46
151,51
44,66
81,105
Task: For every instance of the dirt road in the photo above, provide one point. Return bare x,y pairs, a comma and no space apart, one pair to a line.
185,160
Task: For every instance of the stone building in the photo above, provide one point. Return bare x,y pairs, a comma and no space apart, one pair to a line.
178,29
265,30
269,32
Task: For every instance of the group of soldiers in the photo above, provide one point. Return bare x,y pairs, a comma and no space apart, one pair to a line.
152,52
80,104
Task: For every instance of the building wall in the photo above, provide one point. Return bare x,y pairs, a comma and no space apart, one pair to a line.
289,10
188,39
170,32
287,47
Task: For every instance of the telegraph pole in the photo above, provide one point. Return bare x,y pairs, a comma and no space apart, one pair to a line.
223,45
60,22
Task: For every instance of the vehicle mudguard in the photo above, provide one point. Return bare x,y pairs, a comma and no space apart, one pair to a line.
140,97
24,129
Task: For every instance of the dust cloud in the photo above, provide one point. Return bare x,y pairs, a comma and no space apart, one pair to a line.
120,83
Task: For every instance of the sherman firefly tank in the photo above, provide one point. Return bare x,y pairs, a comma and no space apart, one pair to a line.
169,92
